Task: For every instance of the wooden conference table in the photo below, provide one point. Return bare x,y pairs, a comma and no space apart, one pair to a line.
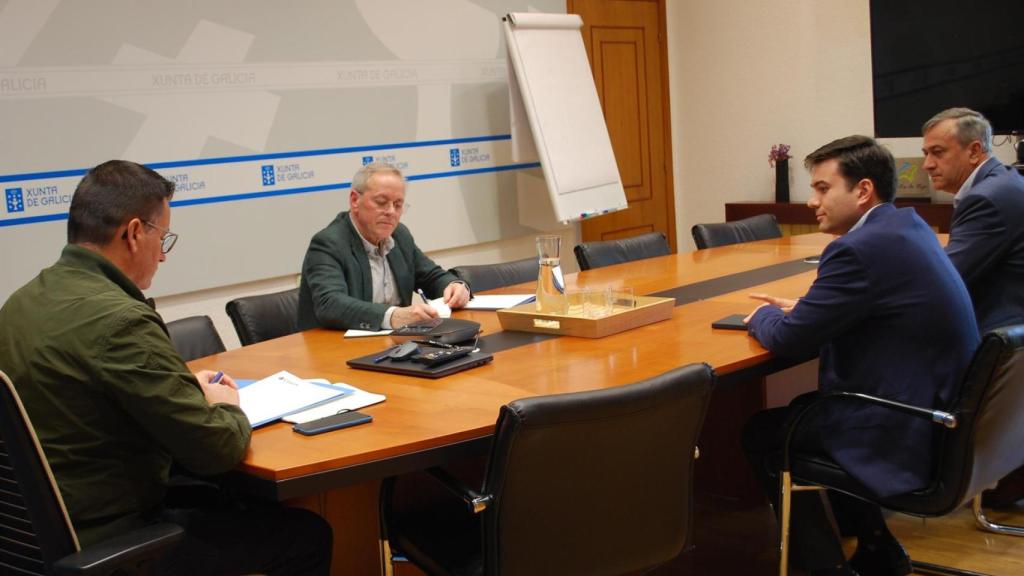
429,422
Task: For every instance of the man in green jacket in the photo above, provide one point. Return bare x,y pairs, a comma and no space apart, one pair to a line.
114,405
361,270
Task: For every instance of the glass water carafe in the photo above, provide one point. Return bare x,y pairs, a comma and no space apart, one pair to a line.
550,286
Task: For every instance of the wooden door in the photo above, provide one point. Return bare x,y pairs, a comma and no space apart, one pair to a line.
626,44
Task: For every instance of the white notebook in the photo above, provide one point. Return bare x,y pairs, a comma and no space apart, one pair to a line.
281,394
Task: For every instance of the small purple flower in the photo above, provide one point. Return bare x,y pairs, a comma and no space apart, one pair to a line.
778,153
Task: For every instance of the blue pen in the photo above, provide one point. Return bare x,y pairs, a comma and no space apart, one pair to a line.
422,295
216,377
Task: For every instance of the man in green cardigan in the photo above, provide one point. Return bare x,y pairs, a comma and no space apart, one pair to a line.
362,269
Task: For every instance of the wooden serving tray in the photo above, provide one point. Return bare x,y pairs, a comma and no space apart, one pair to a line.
525,318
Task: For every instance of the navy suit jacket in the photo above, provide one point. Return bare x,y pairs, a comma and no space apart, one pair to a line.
890,317
986,244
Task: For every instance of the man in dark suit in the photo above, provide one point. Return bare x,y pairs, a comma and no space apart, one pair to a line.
361,270
986,241
890,317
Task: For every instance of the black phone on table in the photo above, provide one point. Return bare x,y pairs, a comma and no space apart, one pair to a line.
732,322
332,422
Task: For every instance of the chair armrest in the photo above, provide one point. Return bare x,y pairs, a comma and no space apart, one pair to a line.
477,502
149,542
936,416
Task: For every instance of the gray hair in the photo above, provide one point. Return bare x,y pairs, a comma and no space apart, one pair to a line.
970,126
367,171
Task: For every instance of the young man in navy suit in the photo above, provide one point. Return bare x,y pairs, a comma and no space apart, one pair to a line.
986,241
889,316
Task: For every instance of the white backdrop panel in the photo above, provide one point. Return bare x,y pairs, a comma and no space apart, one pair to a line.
260,111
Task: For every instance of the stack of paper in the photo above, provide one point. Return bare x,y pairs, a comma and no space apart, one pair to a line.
293,399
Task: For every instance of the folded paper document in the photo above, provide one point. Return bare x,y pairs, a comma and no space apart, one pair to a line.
284,393
443,311
354,399
353,333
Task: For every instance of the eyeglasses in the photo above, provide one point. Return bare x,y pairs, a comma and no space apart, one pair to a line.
168,238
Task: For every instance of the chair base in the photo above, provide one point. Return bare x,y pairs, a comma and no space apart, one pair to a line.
787,487
985,524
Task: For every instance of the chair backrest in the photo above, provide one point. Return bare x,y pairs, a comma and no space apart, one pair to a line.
195,337
760,227
259,318
595,482
988,442
35,530
605,253
490,276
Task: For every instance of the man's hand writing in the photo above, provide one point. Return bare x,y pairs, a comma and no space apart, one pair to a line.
223,392
413,313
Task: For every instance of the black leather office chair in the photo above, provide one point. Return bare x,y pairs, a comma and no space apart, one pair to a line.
760,227
36,535
259,318
195,337
600,254
490,276
978,441
586,483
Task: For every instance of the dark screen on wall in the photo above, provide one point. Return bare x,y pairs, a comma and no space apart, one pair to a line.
929,56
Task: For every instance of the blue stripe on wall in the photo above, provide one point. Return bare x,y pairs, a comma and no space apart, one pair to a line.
287,192
274,156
